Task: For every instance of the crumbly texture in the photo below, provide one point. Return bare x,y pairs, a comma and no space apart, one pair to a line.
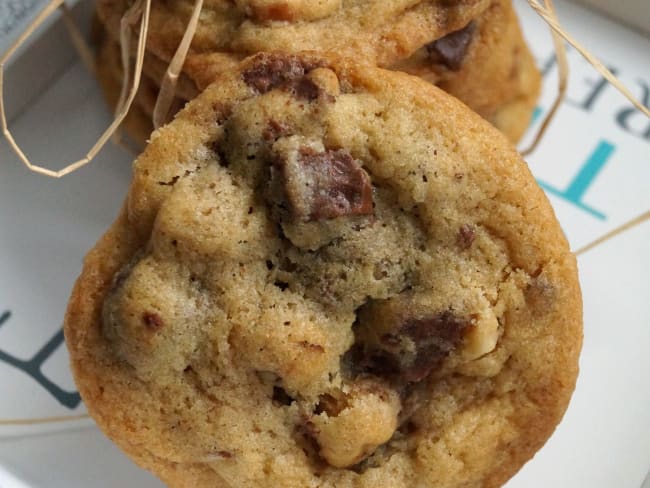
491,70
328,275
514,115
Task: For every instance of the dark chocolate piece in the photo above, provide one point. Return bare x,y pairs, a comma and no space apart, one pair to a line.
434,338
152,321
451,49
326,185
305,89
287,73
415,348
465,237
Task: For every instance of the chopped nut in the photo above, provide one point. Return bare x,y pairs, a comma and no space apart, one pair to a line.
326,79
368,420
482,336
540,295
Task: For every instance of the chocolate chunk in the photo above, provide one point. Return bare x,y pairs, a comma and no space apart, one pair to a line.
270,71
281,397
415,348
305,89
152,321
274,130
325,185
434,339
451,49
465,236
283,285
330,404
312,347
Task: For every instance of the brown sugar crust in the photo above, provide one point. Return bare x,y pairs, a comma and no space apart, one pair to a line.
235,328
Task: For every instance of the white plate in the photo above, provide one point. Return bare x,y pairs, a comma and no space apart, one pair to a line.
597,173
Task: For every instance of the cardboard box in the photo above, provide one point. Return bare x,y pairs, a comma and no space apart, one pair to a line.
635,13
594,165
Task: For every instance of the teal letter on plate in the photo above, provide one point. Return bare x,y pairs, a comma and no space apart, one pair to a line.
585,177
32,367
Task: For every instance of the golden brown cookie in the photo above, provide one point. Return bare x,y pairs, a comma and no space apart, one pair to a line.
368,31
484,70
487,65
328,275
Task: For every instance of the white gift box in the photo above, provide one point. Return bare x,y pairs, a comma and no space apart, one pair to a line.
635,13
594,164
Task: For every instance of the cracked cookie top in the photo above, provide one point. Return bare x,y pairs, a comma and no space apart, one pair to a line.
328,275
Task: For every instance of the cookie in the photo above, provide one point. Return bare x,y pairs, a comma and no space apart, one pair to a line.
328,275
484,73
374,32
514,116
487,65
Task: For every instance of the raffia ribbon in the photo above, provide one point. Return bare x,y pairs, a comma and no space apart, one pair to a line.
137,11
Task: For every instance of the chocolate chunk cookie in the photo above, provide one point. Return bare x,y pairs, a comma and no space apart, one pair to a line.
471,48
487,65
328,275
